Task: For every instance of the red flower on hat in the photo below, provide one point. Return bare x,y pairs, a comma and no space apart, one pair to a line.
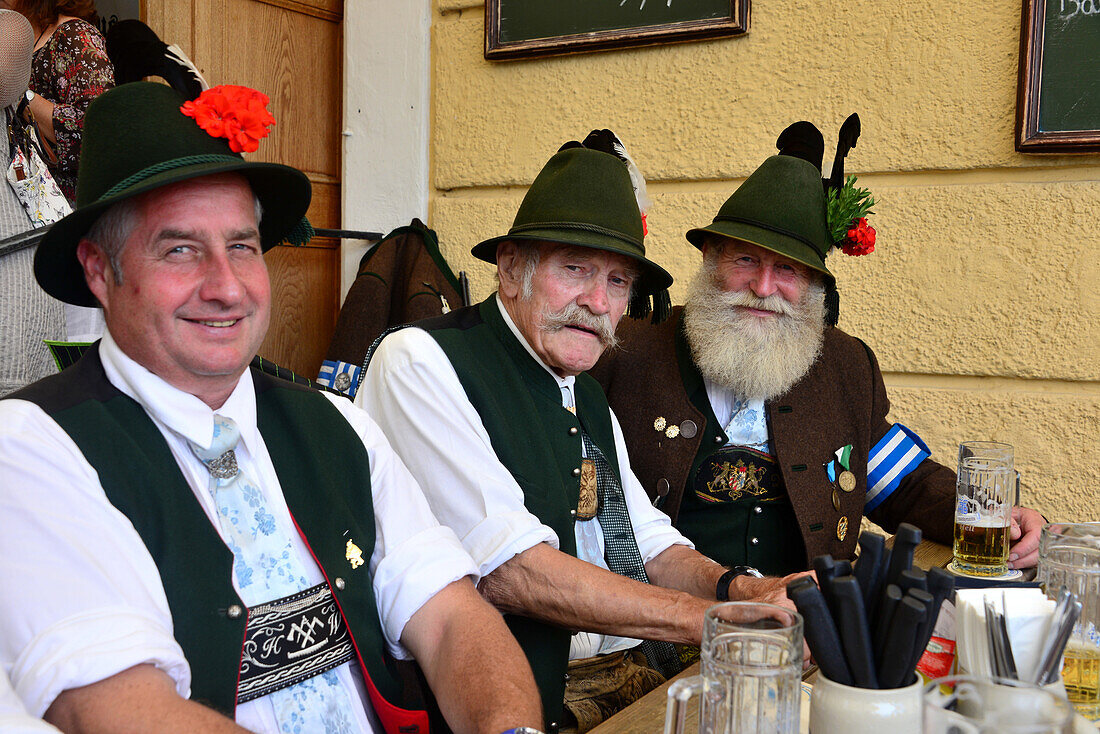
860,239
238,114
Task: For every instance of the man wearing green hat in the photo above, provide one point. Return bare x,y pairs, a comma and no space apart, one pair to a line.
492,411
180,550
754,422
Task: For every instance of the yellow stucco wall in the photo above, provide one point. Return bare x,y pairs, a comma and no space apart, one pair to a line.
982,299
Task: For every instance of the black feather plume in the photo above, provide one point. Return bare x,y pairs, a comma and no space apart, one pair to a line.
607,142
137,52
846,140
802,140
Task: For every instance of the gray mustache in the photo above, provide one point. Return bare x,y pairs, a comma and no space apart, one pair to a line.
575,315
774,302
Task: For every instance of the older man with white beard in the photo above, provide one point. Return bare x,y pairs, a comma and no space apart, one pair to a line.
492,411
754,422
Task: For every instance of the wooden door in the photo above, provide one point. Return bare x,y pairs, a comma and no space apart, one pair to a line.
292,51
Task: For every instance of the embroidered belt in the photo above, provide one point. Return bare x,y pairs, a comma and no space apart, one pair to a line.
291,639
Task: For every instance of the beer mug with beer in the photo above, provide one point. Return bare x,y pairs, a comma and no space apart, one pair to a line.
985,492
1069,556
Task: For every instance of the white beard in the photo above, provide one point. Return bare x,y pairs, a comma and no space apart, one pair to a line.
738,351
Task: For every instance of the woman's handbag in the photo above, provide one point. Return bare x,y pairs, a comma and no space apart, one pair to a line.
28,175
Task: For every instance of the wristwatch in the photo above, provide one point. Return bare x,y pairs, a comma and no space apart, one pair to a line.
722,592
523,730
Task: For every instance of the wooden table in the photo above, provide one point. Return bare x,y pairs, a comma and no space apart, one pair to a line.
930,554
647,714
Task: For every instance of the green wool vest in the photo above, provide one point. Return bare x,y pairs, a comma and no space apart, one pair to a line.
325,478
538,441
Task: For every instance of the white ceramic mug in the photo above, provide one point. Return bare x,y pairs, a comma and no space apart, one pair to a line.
840,709
961,704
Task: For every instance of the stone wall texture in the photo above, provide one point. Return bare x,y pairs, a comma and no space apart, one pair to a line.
982,299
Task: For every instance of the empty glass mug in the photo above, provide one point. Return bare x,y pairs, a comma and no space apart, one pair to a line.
751,661
1069,556
987,488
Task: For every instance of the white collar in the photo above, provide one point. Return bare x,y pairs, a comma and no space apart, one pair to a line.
179,411
563,382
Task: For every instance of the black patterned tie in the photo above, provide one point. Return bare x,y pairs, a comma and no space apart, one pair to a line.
621,549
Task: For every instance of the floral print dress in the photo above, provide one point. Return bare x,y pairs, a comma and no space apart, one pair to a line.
71,70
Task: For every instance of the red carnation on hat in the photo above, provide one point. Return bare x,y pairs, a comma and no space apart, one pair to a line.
860,239
238,114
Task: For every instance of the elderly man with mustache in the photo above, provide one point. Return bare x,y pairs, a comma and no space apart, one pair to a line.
753,421
492,411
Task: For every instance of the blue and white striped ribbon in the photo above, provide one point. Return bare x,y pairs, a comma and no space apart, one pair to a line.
892,458
329,376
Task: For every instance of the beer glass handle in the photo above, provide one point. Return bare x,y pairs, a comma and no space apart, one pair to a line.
1017,502
679,693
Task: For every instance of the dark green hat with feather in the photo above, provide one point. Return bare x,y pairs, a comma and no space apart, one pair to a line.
136,139
787,207
590,194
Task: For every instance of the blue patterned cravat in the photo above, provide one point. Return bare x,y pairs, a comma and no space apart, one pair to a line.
267,568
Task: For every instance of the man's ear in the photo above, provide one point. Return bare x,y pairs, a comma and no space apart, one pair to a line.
97,268
509,267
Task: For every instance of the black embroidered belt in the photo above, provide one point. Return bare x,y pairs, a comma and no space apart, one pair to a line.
291,639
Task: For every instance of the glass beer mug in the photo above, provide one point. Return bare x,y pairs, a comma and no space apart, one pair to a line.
986,489
1069,556
751,660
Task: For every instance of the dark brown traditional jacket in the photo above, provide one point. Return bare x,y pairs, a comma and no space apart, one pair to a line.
841,400
404,278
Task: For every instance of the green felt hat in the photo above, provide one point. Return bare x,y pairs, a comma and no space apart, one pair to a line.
780,207
135,140
584,197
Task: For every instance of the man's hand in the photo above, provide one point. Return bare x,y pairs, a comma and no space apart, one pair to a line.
770,589
1026,526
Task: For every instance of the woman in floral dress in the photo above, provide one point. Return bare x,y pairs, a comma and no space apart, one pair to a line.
69,70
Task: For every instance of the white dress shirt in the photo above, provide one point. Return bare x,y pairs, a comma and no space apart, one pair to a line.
744,421
82,597
14,719
414,393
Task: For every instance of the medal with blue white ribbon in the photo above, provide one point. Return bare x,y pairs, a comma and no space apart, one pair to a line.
846,480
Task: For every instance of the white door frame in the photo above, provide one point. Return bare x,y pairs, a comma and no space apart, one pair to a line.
387,74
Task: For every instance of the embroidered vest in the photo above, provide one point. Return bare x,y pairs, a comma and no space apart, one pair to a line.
330,503
724,527
538,441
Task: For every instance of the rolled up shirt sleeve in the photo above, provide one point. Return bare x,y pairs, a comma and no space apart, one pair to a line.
414,556
413,392
14,718
82,598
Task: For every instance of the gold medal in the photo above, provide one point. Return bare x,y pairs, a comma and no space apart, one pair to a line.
354,554
672,431
847,481
836,500
659,424
588,500
842,528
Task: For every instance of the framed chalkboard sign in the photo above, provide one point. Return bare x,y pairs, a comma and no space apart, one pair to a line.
521,28
1058,99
